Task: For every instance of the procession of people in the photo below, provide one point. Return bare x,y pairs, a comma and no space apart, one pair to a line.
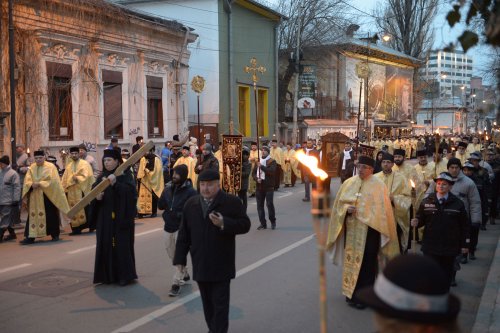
452,185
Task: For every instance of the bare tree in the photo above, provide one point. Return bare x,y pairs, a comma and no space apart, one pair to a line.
409,22
315,22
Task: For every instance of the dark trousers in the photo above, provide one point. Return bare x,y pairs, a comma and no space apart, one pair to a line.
294,178
154,204
242,194
268,197
447,263
215,299
494,196
277,178
369,265
474,236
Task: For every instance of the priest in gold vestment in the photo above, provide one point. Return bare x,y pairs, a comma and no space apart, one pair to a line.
190,162
362,231
42,187
290,166
77,182
400,195
151,184
252,185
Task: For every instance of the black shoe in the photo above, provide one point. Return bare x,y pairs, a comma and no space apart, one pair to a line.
483,227
472,256
273,225
252,195
10,237
306,199
123,283
55,238
75,233
175,290
91,230
185,279
350,302
27,241
464,259
359,306
453,283
260,227
153,215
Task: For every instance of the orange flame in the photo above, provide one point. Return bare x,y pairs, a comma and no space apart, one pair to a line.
412,183
312,163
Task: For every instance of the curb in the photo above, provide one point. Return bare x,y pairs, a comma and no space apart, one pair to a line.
488,313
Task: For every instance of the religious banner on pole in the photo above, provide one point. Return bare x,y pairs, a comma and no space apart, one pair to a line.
232,149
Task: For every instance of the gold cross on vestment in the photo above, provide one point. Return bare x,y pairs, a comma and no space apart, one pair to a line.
254,69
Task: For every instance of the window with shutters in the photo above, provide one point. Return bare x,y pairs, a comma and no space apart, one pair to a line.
154,86
112,99
59,96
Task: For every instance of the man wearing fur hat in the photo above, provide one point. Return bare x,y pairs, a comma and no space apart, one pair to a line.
362,229
207,161
77,182
46,198
10,192
188,161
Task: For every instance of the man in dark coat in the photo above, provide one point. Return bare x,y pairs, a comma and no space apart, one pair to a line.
211,222
172,201
346,162
264,173
115,209
446,232
208,161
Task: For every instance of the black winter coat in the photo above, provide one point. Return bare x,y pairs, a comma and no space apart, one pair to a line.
210,162
268,183
446,226
172,202
212,249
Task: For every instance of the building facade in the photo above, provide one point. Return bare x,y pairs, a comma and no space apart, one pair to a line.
87,71
353,80
451,71
230,34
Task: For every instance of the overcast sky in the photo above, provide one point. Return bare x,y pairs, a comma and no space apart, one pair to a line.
363,9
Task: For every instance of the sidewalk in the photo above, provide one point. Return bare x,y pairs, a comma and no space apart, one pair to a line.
488,313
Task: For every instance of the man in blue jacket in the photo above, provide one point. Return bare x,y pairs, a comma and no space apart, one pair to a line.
172,201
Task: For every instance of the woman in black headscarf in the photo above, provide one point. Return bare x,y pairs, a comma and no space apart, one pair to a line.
114,210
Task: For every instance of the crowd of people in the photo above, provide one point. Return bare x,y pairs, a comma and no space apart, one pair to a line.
454,196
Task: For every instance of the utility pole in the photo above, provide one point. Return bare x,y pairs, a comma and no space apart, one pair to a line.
296,89
12,61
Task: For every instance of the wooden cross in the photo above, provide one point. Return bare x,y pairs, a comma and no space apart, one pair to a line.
254,69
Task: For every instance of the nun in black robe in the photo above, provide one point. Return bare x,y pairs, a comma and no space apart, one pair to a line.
114,213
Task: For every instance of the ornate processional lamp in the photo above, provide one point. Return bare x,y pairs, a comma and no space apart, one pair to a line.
197,85
320,210
253,68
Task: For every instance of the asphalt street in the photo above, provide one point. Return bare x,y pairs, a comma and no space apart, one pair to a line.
47,287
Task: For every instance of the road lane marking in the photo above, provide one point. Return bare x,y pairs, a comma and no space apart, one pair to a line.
148,232
188,298
286,194
93,246
82,249
8,269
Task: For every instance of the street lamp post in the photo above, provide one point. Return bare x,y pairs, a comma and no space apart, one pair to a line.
198,84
